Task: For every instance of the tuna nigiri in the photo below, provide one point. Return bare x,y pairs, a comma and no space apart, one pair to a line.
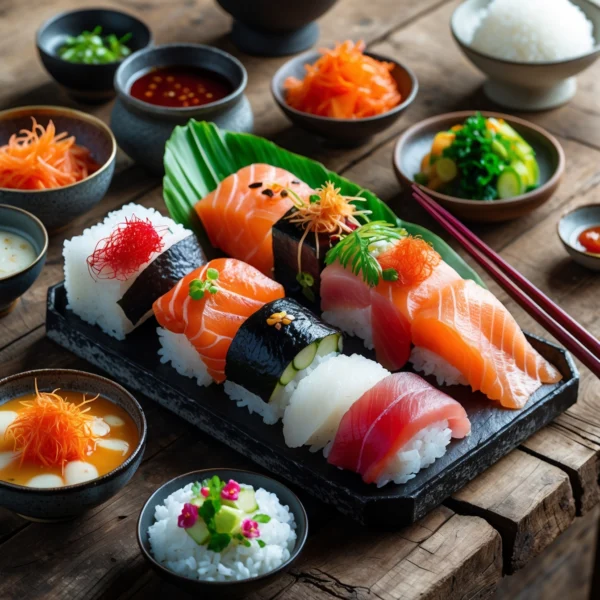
471,330
399,426
239,215
209,305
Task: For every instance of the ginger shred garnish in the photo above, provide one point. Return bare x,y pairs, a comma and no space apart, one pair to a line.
50,431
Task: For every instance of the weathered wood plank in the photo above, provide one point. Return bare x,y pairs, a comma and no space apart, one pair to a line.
563,570
529,501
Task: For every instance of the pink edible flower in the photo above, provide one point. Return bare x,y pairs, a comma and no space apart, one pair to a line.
205,492
188,516
250,529
231,491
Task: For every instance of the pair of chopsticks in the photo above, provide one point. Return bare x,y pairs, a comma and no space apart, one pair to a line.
580,342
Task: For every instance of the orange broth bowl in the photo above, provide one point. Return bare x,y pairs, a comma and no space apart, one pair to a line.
61,503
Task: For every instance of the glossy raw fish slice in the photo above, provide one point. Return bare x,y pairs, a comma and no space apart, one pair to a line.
211,323
238,218
472,330
386,417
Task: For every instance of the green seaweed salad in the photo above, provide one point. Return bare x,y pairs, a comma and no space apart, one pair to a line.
89,47
482,159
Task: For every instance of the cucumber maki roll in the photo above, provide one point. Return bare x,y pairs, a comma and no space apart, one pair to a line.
272,351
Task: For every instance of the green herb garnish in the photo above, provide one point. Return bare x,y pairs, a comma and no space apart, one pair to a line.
261,518
261,543
353,249
199,287
89,47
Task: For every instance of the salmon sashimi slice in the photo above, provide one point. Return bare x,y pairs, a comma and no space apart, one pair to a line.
386,418
210,323
472,330
239,215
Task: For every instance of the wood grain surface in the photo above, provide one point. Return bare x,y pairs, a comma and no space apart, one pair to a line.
532,511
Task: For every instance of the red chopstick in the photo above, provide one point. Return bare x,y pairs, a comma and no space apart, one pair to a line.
561,325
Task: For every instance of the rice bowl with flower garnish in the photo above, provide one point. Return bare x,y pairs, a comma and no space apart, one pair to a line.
222,531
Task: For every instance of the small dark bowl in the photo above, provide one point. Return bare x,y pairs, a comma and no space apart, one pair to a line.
57,504
343,131
23,223
222,589
57,207
416,141
87,83
570,227
266,28
142,129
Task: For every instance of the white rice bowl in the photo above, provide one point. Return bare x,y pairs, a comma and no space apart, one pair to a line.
173,548
95,301
532,31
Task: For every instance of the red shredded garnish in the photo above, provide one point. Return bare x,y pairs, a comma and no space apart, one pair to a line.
125,250
50,431
413,258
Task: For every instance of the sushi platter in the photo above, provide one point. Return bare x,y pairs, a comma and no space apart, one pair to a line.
135,363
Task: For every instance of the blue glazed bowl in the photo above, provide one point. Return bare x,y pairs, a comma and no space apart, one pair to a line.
222,589
349,132
57,207
62,503
12,287
87,83
142,129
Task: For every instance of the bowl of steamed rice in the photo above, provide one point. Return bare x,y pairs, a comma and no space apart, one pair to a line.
530,51
222,532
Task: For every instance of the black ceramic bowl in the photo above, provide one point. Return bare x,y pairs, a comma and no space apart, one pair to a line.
222,590
343,131
57,207
54,504
142,129
88,83
267,28
23,223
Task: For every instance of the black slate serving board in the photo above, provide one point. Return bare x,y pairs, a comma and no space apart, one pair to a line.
495,431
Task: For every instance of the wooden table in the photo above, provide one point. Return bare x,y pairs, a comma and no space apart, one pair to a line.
534,512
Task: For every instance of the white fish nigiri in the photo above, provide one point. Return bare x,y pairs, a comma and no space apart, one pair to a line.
321,399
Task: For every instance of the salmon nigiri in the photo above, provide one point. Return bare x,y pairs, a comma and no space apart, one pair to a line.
399,426
209,305
382,315
470,329
239,215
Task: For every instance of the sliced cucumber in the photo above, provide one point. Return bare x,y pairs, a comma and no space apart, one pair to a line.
523,150
446,169
533,169
228,519
246,501
499,149
199,532
523,171
328,345
289,374
509,184
305,357
197,501
341,343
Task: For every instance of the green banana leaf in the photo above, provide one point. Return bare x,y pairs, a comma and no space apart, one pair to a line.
199,155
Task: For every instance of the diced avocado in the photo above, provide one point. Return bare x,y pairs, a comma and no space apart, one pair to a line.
246,501
199,532
228,519
197,501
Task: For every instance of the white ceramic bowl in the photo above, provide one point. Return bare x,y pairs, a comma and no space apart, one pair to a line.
524,86
570,227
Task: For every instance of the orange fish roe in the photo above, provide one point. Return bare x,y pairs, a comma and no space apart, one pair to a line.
413,259
50,431
344,84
